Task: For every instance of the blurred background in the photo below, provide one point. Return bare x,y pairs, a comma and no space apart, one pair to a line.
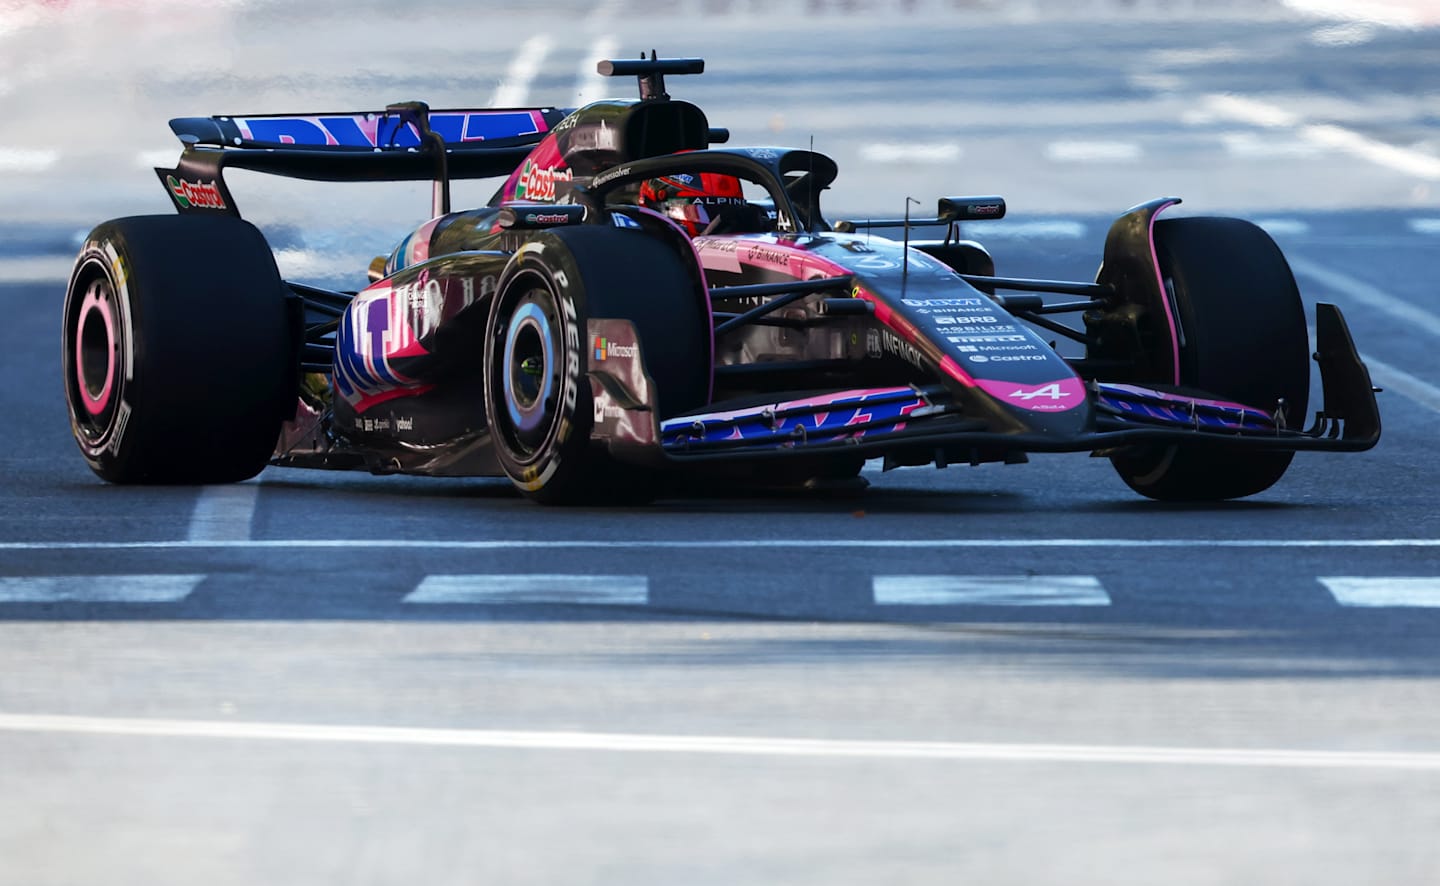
1071,110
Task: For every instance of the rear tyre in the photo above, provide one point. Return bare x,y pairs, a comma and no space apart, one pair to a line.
1243,338
538,396
176,350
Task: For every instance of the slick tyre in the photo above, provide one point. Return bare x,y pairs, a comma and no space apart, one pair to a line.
176,350
1243,338
537,391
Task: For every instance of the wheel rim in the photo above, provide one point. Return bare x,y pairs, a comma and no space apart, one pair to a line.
529,374
96,340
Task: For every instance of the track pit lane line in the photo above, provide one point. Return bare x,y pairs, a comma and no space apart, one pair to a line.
919,152
224,513
717,544
513,90
1406,161
1266,758
1390,592
989,590
1092,152
612,590
98,588
1401,382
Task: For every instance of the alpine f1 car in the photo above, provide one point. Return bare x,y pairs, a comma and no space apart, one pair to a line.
587,342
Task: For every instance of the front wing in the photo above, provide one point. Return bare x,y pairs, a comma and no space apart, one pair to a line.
932,421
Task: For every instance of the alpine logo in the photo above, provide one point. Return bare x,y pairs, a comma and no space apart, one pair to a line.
1052,391
196,195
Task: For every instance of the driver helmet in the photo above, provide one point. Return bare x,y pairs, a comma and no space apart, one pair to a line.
702,203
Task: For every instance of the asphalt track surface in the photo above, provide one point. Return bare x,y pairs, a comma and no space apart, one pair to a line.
1018,674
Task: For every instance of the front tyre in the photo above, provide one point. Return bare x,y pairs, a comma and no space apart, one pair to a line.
176,350
1243,338
538,398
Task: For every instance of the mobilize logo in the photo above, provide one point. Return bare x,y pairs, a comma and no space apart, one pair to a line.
1052,391
198,195
605,349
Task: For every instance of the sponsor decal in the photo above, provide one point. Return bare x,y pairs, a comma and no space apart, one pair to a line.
896,345
988,339
613,174
1016,358
621,220
605,349
537,183
404,424
944,302
547,218
122,420
875,263
195,195
872,343
1052,391
757,252
983,330
969,318
978,358
763,153
605,407
572,352
379,131
990,349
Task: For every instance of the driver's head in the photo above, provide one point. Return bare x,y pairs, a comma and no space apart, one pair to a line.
702,203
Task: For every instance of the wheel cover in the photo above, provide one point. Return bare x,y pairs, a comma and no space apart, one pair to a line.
96,340
529,374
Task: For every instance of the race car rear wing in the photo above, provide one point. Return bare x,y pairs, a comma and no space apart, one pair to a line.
405,142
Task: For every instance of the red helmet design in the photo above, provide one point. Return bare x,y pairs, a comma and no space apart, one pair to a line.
697,201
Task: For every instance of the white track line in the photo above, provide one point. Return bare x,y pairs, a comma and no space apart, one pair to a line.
1091,152
515,88
39,269
1370,296
224,513
1391,379
1046,229
589,85
911,152
632,544
989,590
1269,758
1259,113
612,590
1283,227
1384,592
98,588
1379,12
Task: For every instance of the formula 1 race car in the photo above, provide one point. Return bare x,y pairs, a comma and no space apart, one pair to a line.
588,341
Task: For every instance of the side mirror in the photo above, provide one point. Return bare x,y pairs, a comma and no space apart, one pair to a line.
954,209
